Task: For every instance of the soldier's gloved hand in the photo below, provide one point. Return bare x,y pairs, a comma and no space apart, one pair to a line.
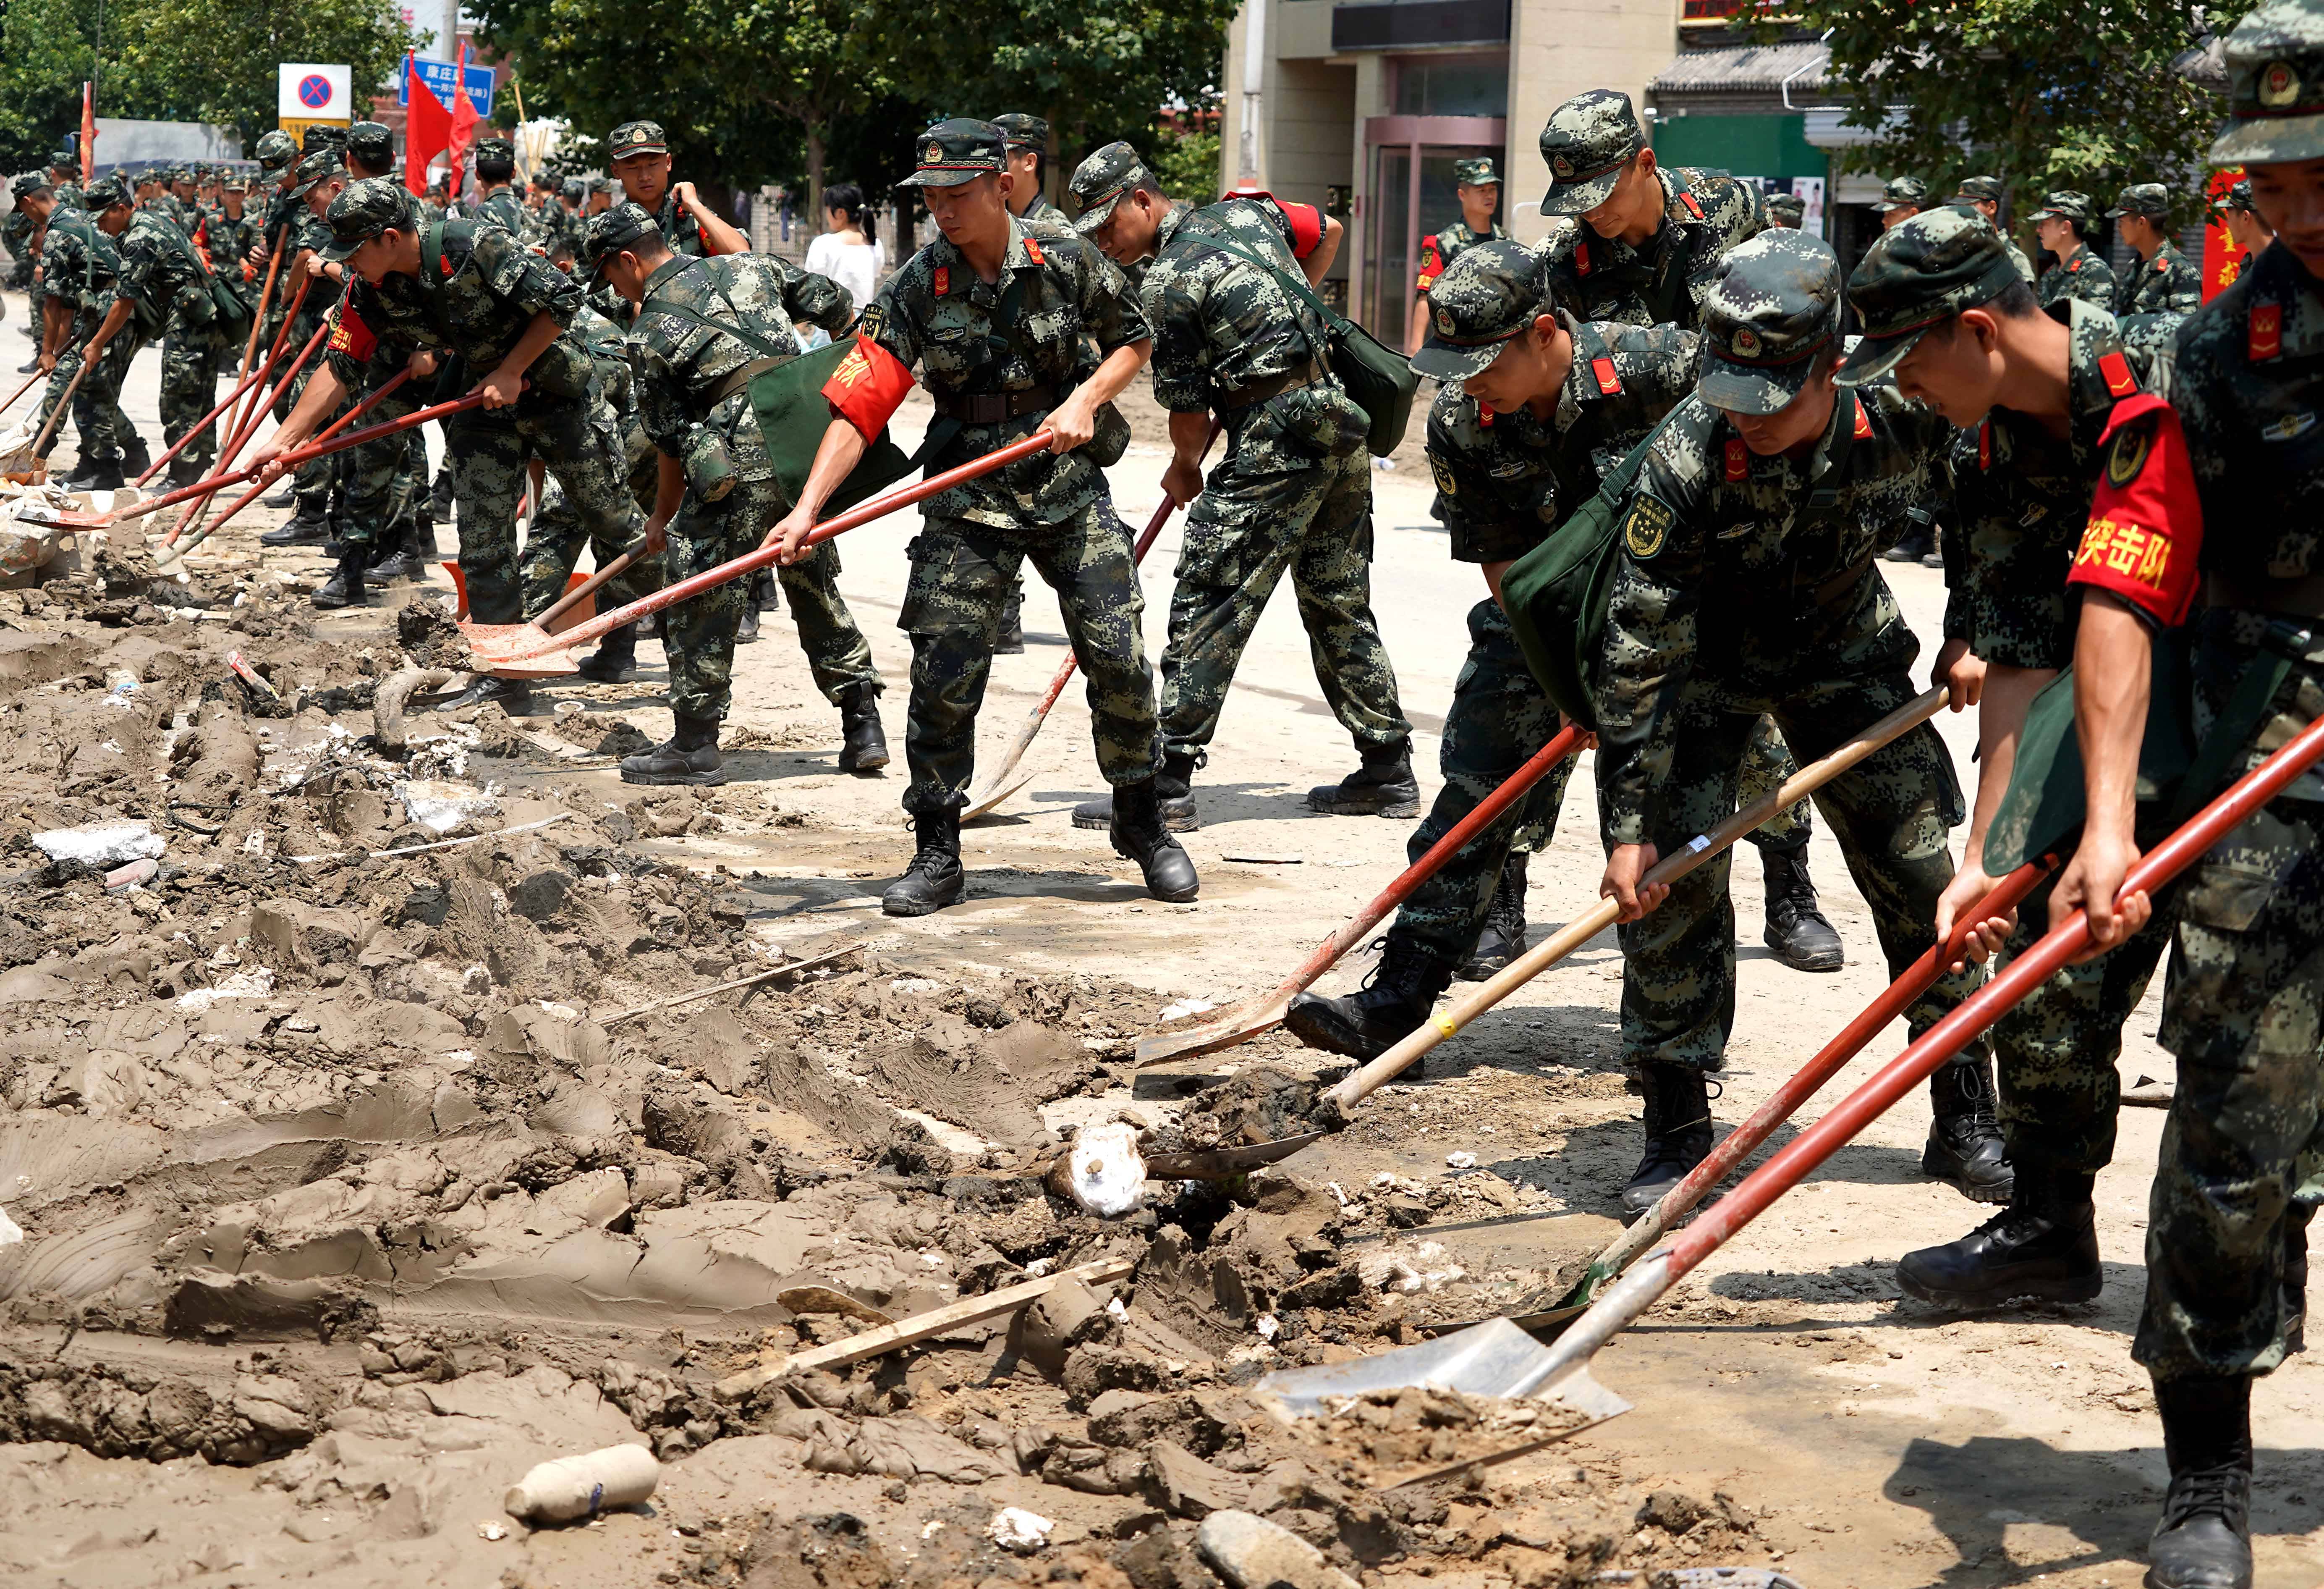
1985,938
1072,422
788,533
1961,670
1624,885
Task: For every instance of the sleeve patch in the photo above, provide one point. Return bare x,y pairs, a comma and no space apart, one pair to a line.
1306,227
1646,527
2146,531
868,387
1443,473
350,336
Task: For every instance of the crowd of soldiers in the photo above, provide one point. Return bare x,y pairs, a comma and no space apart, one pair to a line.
1673,352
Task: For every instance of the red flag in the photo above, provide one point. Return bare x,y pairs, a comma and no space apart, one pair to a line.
464,117
427,128
2223,257
88,131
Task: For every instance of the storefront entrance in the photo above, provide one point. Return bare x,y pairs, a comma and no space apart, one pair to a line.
1409,194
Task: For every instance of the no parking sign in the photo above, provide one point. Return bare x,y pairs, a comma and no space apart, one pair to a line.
310,93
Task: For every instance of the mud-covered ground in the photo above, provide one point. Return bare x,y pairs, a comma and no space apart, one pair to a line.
352,1184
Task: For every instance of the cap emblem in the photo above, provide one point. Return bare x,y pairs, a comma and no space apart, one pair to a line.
1747,343
933,155
1445,322
2279,85
1562,166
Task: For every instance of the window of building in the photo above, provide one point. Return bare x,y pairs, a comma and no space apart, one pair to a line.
1452,85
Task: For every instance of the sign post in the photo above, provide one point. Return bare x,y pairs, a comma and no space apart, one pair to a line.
308,95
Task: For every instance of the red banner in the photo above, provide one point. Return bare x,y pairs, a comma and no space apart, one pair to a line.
427,129
2222,257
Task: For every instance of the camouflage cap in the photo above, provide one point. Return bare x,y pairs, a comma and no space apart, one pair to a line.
495,151
324,136
24,184
64,160
2151,200
2065,204
276,150
2239,197
1475,173
1478,306
1985,190
1101,180
364,211
634,138
1904,193
575,188
370,143
1021,131
1916,275
1589,140
958,150
611,231
2275,86
232,180
104,191
315,166
1774,306
1788,208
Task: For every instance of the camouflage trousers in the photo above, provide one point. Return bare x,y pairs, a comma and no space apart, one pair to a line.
311,482
1890,812
697,636
382,480
554,539
105,430
1766,763
2054,1050
1243,533
488,449
190,355
962,573
2243,1009
1500,718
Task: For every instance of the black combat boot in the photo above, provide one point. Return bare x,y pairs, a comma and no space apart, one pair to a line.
1504,937
1965,1147
2204,1539
1797,930
1678,1131
1010,640
307,527
439,494
512,695
863,747
935,878
746,632
1383,786
135,457
1139,835
1392,1005
1917,542
281,499
185,471
2044,1245
391,560
615,660
346,588
1174,789
689,756
97,474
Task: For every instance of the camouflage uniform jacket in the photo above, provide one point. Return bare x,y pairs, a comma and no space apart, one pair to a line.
681,365
2022,496
1440,249
2242,379
1504,481
1704,217
680,229
69,197
1786,549
309,234
1042,217
476,301
78,264
2017,257
17,232
501,208
159,268
2166,282
965,336
2085,276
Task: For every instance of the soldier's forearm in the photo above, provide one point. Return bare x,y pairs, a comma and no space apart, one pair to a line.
1119,370
535,341
2001,711
669,488
2113,652
1189,435
1320,261
116,317
323,393
842,450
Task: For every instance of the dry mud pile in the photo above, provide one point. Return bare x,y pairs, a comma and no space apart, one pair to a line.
341,1186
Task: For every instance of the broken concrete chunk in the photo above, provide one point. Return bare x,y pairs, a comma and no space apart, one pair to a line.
101,845
1191,1487
1251,1553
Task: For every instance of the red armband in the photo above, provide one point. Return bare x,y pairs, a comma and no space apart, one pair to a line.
1431,266
868,387
350,336
2146,522
1306,226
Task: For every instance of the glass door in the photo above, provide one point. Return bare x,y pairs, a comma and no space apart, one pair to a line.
1414,195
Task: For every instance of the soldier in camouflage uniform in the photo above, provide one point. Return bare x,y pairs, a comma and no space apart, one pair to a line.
704,329
64,176
1480,192
385,481
1799,625
1983,195
499,202
305,235
639,154
2030,391
997,322
2062,221
1293,494
33,198
2228,540
501,310
1029,158
1903,199
2164,282
80,258
1786,210
2245,224
165,283
1644,253
555,540
1533,402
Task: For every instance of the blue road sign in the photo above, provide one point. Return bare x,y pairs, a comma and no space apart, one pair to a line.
438,76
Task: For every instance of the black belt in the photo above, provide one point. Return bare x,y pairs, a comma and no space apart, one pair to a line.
2293,598
1258,391
734,381
990,408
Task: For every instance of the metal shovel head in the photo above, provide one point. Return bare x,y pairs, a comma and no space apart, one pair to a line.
980,804
492,647
1219,1163
1238,1025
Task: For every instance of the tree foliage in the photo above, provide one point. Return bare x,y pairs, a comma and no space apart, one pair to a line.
196,60
2043,93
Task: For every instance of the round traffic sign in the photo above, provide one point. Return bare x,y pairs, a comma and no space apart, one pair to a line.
314,91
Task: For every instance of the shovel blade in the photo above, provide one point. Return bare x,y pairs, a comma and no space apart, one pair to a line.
491,647
979,806
1219,1163
1238,1025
